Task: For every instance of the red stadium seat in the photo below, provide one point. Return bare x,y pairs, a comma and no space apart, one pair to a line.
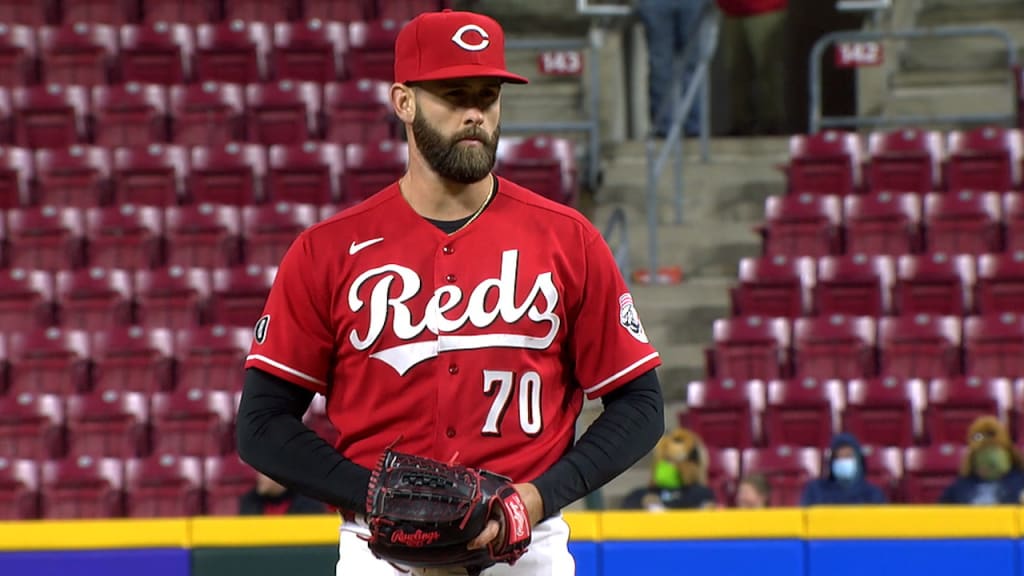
316,418
31,426
372,167
124,236
824,163
886,411
158,53
285,112
94,298
309,51
934,283
725,413
193,422
358,111
104,11
210,357
884,468
307,174
919,346
26,299
802,225
983,159
27,13
906,160
18,53
50,116
207,114
203,235
544,164
953,404
261,10
163,486
108,424
803,412
965,222
339,10
133,359
776,286
928,470
19,489
724,473
787,468
239,293
85,487
230,174
173,297
79,175
749,348
857,285
182,11
834,346
1013,217
17,173
371,49
270,229
403,10
226,479
1000,284
994,346
152,176
129,114
232,51
883,223
45,238
78,53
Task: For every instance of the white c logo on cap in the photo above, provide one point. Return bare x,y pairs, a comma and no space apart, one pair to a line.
457,38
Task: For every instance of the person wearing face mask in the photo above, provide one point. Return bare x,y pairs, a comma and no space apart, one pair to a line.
844,481
991,472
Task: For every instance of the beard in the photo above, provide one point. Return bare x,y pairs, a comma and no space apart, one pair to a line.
462,164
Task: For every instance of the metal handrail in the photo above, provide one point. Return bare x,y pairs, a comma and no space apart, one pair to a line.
818,121
585,8
617,223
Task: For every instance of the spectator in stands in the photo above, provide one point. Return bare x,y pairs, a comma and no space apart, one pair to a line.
268,498
679,476
991,472
753,49
754,491
844,481
669,26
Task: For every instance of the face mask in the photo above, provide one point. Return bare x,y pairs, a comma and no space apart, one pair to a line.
844,468
666,476
992,463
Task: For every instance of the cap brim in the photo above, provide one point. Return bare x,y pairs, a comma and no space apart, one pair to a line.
469,71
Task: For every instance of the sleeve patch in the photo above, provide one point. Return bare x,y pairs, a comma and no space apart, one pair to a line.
630,319
259,332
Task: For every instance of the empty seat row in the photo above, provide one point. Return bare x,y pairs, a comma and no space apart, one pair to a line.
882,411
936,283
906,160
849,347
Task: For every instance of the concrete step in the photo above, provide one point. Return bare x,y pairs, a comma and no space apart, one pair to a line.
968,12
943,78
962,53
949,100
775,148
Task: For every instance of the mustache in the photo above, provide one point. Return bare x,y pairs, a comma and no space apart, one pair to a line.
474,133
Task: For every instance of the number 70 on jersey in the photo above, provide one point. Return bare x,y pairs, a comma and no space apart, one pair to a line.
504,387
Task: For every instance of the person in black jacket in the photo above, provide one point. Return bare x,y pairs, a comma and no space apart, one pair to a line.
992,471
268,498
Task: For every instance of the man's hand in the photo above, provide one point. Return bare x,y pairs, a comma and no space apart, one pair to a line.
493,531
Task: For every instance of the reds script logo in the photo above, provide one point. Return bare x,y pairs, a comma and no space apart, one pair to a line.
384,306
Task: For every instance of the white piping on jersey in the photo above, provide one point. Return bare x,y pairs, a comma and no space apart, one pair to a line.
619,374
288,369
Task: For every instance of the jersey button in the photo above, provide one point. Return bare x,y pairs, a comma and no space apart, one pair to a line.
453,369
450,432
450,278
448,250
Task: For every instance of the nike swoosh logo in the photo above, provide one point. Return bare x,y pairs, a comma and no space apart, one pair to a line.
357,246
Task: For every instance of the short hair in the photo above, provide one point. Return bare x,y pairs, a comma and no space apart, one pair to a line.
760,483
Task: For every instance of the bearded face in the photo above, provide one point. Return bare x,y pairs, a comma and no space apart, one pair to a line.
465,157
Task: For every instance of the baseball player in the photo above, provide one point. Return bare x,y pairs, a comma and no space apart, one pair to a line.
455,315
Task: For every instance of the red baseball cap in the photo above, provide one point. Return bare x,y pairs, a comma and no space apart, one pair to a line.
451,44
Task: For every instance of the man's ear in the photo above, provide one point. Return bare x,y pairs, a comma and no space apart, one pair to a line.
403,101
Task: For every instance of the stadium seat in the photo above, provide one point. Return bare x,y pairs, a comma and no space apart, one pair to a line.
965,222
954,403
283,112
802,224
371,49
85,487
203,235
1000,284
339,10
181,11
857,285
226,479
18,53
268,11
994,346
804,412
316,418
404,10
934,283
8,116
882,224
776,286
154,175
928,470
211,356
232,51
724,473
358,111
27,299
31,426
163,486
17,174
78,175
207,114
108,424
19,489
102,11
824,163
193,422
884,468
919,346
231,174
124,236
129,114
94,298
983,159
27,13
80,53
1013,219
834,346
270,229
885,411
787,468
157,53
309,51
174,297
749,348
50,115
45,238
905,160
309,173
133,359
543,164
725,413
372,167
239,293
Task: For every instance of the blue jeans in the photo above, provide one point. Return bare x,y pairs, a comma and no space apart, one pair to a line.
667,24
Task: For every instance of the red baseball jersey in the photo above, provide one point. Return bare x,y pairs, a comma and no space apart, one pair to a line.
479,344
